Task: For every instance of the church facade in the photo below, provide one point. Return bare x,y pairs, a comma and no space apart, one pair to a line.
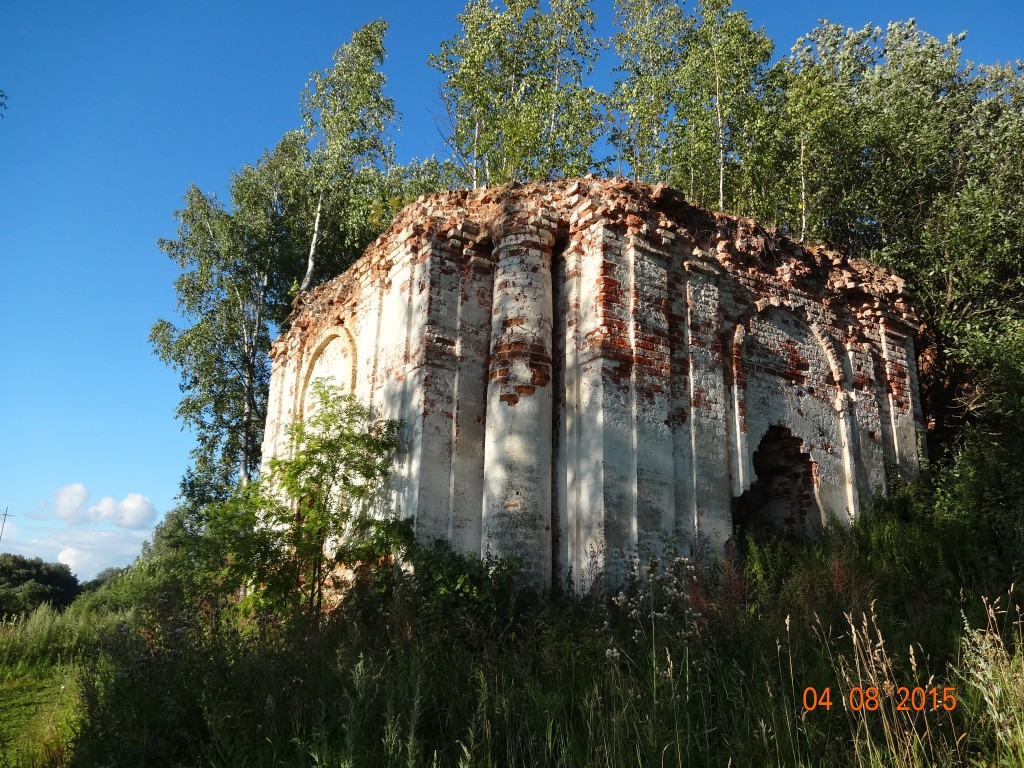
587,369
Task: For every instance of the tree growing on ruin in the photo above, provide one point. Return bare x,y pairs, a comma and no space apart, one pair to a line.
720,81
652,44
688,105
903,153
346,119
516,104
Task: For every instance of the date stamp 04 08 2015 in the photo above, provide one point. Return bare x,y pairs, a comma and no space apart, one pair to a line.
907,699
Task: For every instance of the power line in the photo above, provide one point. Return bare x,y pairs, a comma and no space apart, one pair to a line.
3,524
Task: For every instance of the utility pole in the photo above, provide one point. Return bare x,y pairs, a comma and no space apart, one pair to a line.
3,523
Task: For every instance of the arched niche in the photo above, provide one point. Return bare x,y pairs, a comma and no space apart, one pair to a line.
334,360
790,386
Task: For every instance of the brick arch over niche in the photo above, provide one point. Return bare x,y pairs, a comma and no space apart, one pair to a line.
332,359
788,376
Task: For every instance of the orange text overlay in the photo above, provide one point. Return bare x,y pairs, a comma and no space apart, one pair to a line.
870,699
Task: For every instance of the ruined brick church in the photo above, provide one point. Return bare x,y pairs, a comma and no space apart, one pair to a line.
587,369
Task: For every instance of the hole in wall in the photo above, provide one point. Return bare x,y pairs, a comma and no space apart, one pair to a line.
778,502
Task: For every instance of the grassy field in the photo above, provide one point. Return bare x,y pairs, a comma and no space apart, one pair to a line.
38,707
42,658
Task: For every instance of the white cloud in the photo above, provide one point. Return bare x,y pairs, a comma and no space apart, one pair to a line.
135,511
85,550
72,558
89,552
68,501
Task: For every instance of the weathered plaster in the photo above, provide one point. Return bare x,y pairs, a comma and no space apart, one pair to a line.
585,369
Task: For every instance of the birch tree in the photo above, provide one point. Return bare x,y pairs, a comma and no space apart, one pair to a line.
720,81
816,132
908,155
346,122
652,45
302,212
514,95
220,352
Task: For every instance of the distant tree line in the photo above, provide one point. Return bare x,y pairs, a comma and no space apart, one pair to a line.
885,143
26,583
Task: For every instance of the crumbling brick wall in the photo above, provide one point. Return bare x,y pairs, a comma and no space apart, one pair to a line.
586,369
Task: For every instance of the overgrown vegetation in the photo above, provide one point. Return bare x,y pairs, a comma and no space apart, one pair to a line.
277,622
691,663
874,645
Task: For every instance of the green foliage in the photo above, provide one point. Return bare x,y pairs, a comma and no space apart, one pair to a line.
647,102
465,589
302,213
103,578
27,583
513,89
897,150
221,355
445,663
286,534
722,79
689,104
346,147
992,671
403,184
234,691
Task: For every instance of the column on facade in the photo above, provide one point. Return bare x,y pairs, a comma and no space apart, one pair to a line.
712,498
517,444
440,276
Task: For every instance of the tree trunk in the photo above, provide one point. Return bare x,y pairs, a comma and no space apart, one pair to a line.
307,281
476,155
721,130
250,345
246,427
803,189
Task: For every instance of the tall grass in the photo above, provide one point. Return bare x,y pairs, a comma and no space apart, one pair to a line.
41,654
672,670
48,636
992,671
704,663
886,703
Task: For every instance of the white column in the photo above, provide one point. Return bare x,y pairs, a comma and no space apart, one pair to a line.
517,444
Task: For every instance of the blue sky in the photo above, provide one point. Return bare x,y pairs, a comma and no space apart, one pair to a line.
114,109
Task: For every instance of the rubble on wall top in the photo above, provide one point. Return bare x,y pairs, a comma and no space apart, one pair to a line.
657,216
